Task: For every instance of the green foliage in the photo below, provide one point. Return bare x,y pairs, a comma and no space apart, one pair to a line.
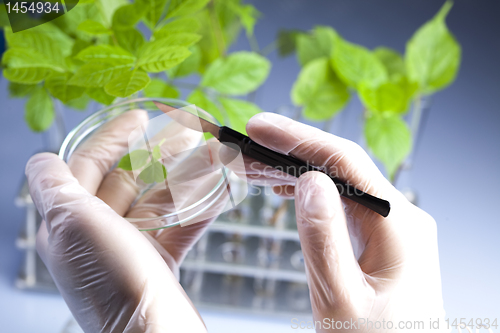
99,95
385,81
185,7
96,51
319,90
126,17
354,64
20,90
80,103
387,97
130,39
317,44
134,160
388,136
237,74
433,55
93,27
57,85
188,66
392,61
154,10
155,172
247,14
239,112
106,53
219,26
158,88
157,56
127,84
98,74
286,42
39,110
201,100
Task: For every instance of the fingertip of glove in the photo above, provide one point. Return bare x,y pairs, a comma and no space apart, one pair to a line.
317,196
263,119
36,159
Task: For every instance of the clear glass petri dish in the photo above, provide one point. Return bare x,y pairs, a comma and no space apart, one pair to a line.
193,210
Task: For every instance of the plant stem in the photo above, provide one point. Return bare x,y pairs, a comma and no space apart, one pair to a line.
254,45
266,50
415,125
297,113
217,30
327,124
186,85
416,116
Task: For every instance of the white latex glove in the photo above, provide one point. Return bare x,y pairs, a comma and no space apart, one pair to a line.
358,264
113,277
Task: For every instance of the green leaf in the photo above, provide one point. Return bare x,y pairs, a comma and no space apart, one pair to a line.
182,24
45,41
220,27
127,84
98,74
354,63
155,172
392,61
20,90
134,160
198,98
158,88
178,39
238,74
388,136
239,112
287,42
387,97
126,17
94,11
247,14
188,66
57,85
185,7
157,152
433,54
79,46
39,110
316,45
100,95
93,27
319,90
154,11
106,8
113,54
156,56
26,75
80,103
130,39
25,58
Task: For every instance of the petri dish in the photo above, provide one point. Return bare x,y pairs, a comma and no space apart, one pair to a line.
195,186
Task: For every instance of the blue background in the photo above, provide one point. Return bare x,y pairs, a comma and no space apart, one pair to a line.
455,169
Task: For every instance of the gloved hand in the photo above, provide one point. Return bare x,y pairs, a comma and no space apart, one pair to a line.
113,277
358,264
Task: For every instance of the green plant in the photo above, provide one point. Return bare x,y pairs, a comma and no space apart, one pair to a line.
386,82
104,49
